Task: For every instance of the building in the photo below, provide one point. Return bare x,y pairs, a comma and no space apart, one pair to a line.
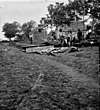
78,25
74,26
38,35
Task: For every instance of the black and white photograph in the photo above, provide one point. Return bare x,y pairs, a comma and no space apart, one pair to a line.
49,54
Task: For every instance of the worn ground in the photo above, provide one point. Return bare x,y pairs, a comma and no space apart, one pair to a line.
68,81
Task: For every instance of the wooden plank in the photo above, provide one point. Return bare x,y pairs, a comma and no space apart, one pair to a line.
28,46
39,49
32,46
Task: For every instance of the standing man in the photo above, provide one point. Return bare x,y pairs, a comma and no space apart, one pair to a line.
69,38
79,35
61,36
30,36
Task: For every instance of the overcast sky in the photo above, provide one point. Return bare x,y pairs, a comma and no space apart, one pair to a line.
23,10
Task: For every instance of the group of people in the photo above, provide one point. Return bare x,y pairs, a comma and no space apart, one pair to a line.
69,39
66,39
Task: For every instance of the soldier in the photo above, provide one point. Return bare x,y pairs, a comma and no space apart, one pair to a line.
69,38
79,35
61,36
31,35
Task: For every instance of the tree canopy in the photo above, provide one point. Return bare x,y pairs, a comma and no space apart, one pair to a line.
57,15
86,7
10,29
61,13
27,27
90,8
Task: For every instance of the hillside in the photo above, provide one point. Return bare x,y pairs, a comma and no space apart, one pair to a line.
68,81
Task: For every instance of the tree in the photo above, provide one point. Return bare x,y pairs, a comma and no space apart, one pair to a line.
10,29
58,15
94,12
27,28
81,9
89,8
97,29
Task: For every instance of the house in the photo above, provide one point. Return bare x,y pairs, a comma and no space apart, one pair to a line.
41,35
38,35
74,26
78,25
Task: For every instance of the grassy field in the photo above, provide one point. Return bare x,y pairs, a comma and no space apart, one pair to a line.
68,81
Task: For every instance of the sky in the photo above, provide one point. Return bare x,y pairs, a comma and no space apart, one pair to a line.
23,11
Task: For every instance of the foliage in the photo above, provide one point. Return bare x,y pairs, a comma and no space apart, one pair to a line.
11,29
97,29
27,27
94,8
86,7
79,6
44,22
57,14
61,13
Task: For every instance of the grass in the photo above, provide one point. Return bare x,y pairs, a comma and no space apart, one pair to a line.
68,81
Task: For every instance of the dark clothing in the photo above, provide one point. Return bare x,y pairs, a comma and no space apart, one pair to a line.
79,35
88,35
54,35
74,40
68,39
62,40
62,36
31,40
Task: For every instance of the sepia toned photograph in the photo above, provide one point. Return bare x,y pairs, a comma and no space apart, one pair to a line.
49,54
